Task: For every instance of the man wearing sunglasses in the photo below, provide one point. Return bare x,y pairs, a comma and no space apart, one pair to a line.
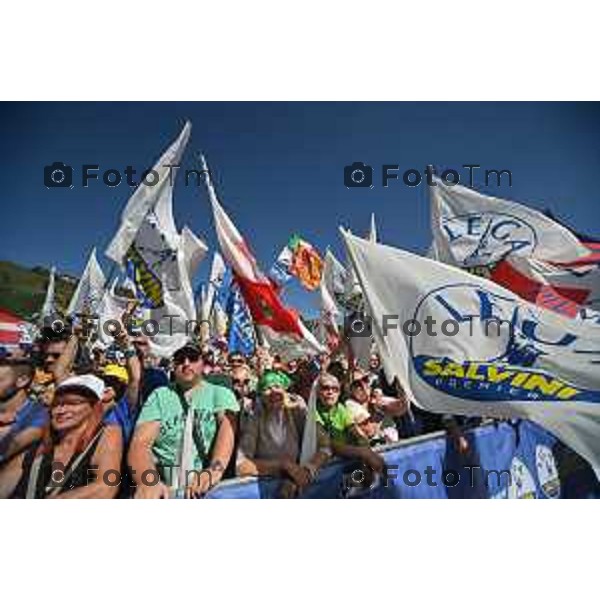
184,434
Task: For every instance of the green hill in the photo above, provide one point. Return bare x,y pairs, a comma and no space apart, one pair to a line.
22,290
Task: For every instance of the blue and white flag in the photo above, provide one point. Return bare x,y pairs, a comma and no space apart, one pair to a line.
474,230
241,331
463,345
280,271
156,258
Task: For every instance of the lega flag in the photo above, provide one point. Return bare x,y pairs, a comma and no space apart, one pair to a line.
145,198
463,345
471,230
156,258
90,288
281,326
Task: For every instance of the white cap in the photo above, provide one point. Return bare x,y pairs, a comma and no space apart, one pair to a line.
358,412
89,382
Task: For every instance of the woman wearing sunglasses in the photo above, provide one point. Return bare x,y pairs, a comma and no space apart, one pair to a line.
79,457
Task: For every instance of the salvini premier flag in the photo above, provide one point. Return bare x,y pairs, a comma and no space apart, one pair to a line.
485,351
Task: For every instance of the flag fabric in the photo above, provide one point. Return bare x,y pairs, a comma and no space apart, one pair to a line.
153,254
146,197
241,330
216,278
194,251
13,330
307,264
540,282
373,230
298,259
280,272
334,276
332,286
49,306
542,366
471,230
281,326
90,288
111,307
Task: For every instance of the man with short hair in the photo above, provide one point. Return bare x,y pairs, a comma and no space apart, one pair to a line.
22,420
187,428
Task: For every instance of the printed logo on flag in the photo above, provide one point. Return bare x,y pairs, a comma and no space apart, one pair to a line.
484,238
476,365
547,471
522,483
147,283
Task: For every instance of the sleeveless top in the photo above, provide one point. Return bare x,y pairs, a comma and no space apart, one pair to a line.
37,482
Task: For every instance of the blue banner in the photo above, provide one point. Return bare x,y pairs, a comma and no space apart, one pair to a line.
504,460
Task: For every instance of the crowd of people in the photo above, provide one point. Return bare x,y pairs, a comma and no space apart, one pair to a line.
119,423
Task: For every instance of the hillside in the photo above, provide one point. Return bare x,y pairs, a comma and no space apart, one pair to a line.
22,290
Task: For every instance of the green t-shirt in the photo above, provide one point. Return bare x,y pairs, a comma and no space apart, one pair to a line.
337,422
165,406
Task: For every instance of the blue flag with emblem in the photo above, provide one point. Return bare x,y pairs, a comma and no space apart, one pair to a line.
241,331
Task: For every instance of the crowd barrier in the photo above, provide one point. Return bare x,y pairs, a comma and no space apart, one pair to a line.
505,460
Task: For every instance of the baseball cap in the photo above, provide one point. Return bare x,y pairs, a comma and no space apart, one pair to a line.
88,384
116,371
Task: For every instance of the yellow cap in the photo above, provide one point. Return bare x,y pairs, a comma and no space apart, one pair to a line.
117,371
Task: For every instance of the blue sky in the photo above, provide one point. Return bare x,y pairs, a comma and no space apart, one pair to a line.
278,169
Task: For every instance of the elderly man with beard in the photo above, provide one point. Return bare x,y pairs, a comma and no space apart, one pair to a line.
185,433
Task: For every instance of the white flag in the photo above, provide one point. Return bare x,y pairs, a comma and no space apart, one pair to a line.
470,230
49,307
111,307
90,288
215,281
146,197
481,349
153,254
194,250
373,229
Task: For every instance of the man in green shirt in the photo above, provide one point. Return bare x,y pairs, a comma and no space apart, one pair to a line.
338,423
184,434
